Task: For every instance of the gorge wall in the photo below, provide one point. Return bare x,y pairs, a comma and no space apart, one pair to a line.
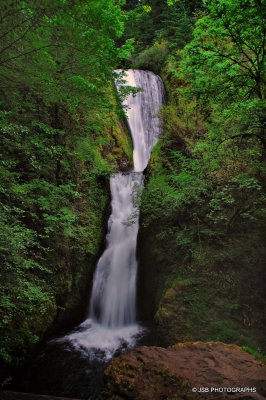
200,259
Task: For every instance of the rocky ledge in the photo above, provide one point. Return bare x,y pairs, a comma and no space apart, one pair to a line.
186,371
28,396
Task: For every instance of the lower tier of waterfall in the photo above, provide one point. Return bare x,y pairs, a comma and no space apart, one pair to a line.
111,322
113,299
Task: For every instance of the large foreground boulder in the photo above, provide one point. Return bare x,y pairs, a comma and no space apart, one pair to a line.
186,371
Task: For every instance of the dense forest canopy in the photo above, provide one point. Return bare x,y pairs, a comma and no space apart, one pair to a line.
63,133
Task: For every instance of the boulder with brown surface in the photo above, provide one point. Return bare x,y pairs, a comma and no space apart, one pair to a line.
157,373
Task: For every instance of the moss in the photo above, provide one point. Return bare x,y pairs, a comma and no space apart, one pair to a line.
116,143
207,304
124,141
257,354
120,380
143,381
196,280
197,289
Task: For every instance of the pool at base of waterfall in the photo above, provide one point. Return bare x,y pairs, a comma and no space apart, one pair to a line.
62,371
73,365
98,342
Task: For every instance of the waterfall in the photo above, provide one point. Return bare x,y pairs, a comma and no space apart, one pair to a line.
142,112
111,322
113,298
114,286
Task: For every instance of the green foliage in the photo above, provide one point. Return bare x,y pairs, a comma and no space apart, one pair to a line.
153,22
60,134
255,353
226,63
203,206
153,57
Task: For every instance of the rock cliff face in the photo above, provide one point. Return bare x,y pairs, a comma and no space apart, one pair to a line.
191,290
158,373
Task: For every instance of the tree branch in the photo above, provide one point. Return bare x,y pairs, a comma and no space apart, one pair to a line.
40,48
19,38
242,135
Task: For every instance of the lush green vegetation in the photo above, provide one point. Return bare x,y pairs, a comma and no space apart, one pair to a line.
62,134
203,207
61,137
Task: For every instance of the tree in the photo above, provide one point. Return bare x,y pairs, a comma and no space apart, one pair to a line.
226,61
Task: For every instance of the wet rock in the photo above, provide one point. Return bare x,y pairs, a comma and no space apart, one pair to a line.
158,373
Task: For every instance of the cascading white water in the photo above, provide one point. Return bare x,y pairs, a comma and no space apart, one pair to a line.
111,321
142,115
114,286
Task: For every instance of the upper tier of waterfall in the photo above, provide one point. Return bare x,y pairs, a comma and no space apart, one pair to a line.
142,112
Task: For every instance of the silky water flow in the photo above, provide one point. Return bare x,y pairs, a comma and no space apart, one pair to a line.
111,322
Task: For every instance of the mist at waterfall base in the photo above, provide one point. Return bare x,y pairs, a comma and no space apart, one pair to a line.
73,365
